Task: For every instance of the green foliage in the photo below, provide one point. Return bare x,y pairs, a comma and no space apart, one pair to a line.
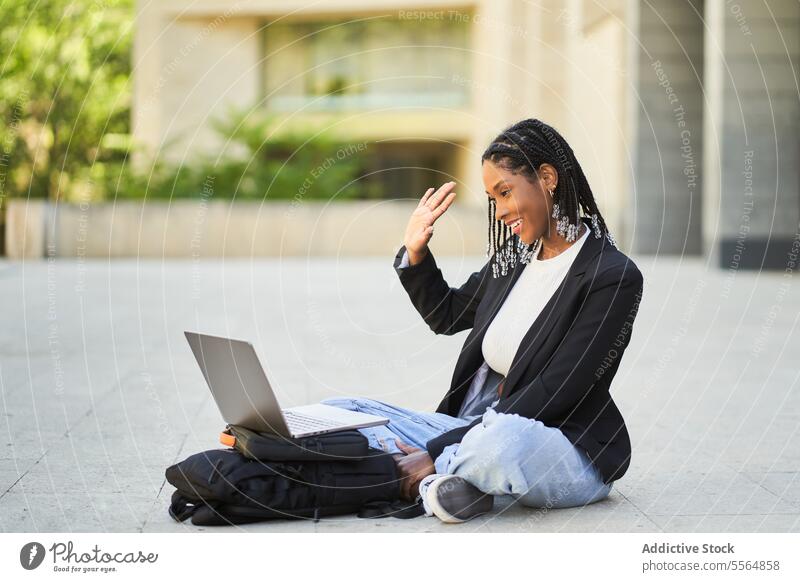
64,84
258,163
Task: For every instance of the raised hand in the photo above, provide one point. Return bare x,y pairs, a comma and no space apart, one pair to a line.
420,226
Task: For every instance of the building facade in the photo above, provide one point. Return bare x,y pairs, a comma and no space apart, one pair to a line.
683,114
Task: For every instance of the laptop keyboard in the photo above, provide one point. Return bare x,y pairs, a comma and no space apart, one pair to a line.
298,422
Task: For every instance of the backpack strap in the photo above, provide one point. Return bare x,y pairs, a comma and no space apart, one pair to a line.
182,507
398,508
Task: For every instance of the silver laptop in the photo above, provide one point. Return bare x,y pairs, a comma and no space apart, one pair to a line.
244,396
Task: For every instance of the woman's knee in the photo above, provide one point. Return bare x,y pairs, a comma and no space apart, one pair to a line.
339,402
347,403
503,440
564,495
491,454
365,405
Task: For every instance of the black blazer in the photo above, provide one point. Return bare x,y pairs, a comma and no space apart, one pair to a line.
563,368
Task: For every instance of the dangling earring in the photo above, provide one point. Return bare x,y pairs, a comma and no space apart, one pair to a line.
526,252
596,226
563,227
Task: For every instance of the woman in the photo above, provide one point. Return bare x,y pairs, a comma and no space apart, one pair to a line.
551,312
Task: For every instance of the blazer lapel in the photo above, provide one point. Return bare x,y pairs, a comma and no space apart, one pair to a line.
471,357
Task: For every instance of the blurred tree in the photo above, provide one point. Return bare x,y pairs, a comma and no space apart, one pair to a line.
64,95
257,162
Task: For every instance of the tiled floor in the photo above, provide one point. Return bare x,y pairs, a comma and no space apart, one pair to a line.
100,393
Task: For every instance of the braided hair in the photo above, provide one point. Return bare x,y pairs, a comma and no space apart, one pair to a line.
522,148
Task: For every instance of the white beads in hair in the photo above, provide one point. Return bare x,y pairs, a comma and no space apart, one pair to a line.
507,259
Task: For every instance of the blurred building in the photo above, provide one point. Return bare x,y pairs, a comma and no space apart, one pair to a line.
683,113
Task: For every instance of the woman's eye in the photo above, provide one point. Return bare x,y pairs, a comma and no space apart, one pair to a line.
504,192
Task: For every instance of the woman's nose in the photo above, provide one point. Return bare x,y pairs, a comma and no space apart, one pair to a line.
502,213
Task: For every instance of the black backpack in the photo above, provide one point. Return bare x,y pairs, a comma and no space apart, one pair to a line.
223,486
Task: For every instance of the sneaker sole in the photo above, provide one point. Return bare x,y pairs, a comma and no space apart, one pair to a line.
464,495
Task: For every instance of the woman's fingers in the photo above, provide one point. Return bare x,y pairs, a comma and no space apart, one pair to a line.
425,197
442,208
405,486
437,197
431,206
404,447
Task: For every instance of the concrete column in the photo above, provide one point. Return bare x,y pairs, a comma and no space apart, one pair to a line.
756,116
594,109
188,70
496,85
668,145
552,68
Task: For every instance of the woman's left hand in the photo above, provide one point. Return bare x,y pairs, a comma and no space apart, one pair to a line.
413,467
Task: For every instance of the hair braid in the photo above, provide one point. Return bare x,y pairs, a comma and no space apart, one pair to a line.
522,148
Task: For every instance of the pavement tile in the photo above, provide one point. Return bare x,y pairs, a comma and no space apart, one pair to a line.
694,493
73,511
768,523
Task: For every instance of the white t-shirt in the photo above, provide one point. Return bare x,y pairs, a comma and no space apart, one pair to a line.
533,289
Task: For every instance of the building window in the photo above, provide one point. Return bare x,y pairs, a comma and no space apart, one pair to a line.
406,169
366,64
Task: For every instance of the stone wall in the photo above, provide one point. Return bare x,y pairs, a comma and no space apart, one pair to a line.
224,229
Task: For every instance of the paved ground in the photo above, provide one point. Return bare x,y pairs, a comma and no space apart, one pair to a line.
100,392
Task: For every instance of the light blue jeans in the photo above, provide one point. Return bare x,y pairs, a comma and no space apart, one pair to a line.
505,454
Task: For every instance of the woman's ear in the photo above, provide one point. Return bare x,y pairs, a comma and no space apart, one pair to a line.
549,176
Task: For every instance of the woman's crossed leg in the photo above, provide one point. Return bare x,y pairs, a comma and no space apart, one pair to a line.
508,454
504,454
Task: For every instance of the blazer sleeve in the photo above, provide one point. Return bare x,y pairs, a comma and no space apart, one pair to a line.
596,340
445,309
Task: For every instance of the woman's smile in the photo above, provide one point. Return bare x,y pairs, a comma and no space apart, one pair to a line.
516,226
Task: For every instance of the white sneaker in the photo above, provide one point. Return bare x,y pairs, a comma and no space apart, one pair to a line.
423,492
454,500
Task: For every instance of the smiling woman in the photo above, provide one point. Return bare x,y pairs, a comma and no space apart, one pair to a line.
523,163
529,411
